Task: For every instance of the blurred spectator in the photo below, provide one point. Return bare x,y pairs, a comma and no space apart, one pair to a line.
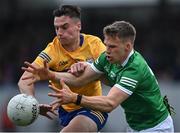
24,32
6,124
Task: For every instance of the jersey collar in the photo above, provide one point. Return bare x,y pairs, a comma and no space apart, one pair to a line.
127,59
81,39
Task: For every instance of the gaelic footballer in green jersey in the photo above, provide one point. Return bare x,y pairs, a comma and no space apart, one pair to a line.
144,108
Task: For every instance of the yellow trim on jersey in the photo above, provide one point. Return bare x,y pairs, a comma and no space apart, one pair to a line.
99,115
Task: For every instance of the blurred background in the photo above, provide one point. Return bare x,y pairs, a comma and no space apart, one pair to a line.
26,27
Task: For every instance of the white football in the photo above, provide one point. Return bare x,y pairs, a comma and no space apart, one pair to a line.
23,109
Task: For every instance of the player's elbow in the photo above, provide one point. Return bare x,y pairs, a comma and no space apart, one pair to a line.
109,110
111,106
20,84
23,84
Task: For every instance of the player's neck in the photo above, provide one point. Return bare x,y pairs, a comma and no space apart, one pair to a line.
73,46
126,57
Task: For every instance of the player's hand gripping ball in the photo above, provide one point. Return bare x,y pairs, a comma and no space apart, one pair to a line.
23,109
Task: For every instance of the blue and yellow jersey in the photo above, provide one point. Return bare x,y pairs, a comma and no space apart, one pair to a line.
60,60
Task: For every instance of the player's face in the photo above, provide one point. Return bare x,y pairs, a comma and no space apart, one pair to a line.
116,50
67,29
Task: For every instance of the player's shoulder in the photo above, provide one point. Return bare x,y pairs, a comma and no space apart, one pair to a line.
139,59
101,61
137,62
89,37
102,57
54,43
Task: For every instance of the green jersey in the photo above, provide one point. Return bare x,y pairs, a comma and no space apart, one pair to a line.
145,107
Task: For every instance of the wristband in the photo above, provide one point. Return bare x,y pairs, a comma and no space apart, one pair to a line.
78,101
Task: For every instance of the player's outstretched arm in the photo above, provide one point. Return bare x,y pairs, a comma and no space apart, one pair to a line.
37,73
86,77
43,73
26,86
100,103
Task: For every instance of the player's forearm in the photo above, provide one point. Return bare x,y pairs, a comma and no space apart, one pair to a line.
67,77
24,87
100,103
88,76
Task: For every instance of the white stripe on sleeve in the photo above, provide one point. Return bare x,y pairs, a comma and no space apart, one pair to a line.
123,89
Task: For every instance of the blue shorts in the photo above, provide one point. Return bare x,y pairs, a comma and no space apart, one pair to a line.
99,118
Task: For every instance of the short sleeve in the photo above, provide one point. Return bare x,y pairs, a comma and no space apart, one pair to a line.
99,63
129,80
47,54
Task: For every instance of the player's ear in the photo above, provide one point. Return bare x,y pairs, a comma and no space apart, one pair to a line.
128,46
79,25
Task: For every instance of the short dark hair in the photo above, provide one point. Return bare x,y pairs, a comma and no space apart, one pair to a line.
122,29
68,10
